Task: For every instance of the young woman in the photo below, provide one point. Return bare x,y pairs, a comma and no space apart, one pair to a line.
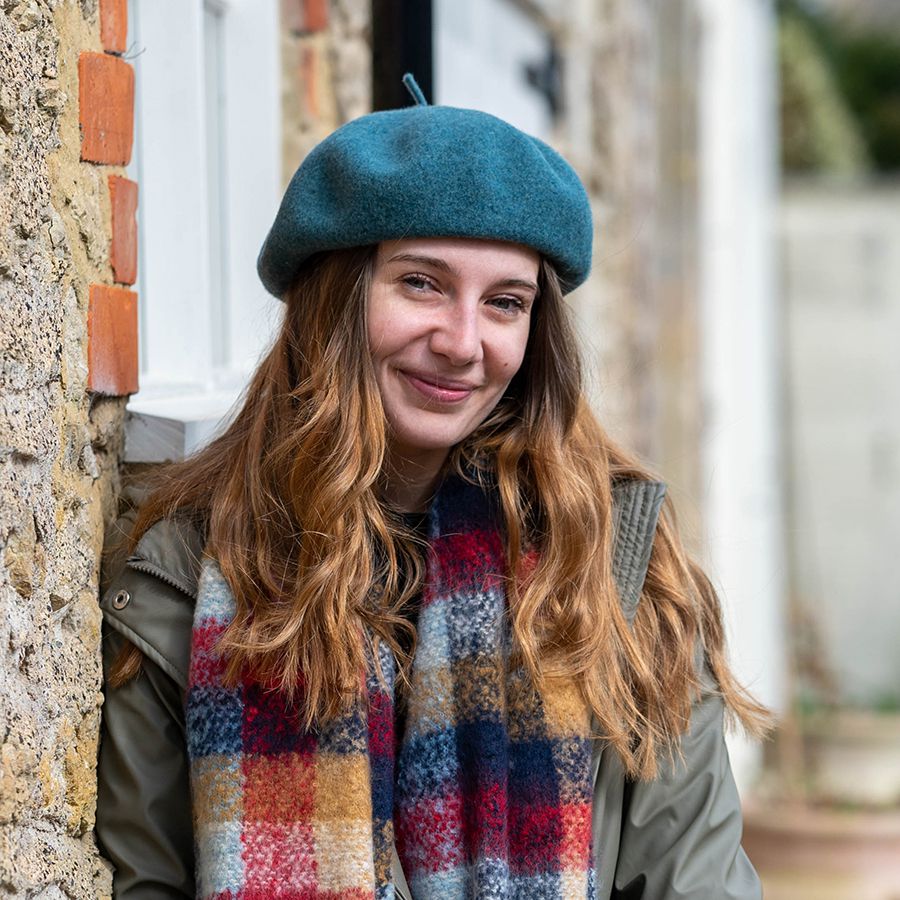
413,626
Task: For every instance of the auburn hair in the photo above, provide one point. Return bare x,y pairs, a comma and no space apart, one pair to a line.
289,498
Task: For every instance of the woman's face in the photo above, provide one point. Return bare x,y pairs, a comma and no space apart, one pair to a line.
448,322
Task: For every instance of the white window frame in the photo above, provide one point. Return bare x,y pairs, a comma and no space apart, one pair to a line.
208,164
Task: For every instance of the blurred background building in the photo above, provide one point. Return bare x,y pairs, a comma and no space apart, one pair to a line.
828,824
737,329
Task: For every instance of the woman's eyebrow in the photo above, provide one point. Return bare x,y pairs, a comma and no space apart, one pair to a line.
442,265
434,261
516,282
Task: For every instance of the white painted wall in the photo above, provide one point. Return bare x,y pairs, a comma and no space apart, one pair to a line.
841,265
741,338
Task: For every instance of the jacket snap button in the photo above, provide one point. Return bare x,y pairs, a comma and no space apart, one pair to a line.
121,600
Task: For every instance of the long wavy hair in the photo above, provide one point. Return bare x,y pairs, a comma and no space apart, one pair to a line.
289,498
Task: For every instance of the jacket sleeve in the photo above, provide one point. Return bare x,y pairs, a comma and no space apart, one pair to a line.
143,799
681,833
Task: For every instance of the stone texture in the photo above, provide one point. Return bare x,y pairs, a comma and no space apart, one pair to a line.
622,178
292,18
326,72
676,382
351,58
58,458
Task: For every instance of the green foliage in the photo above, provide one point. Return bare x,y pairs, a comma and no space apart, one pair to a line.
887,703
818,130
840,93
868,71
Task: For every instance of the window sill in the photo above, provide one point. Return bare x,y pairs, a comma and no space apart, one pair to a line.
169,428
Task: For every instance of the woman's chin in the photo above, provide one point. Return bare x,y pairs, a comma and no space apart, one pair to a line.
422,431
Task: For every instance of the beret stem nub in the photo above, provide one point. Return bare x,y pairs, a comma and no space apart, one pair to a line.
410,83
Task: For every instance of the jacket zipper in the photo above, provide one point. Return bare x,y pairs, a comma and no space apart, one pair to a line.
148,568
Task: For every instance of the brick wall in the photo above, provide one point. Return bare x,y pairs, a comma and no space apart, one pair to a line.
68,351
106,122
326,71
629,125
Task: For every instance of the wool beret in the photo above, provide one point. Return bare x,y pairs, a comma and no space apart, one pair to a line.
430,171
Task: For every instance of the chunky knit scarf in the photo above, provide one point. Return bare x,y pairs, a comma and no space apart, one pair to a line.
488,794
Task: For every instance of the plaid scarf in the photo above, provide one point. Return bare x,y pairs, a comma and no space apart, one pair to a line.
487,795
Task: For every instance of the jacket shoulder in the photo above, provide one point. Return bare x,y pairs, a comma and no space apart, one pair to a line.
148,595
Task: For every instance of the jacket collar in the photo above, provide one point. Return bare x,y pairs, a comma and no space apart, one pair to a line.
636,506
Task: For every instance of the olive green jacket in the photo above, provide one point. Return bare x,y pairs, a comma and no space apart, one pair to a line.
675,837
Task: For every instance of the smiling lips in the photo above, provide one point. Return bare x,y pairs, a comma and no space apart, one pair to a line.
439,391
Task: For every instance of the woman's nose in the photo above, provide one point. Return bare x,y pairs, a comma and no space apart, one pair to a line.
457,336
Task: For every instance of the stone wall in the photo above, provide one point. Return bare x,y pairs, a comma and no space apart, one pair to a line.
623,178
630,127
326,59
59,443
675,362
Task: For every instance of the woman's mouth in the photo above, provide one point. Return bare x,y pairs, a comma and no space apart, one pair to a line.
438,390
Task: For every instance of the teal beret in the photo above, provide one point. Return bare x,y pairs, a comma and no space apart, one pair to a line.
430,171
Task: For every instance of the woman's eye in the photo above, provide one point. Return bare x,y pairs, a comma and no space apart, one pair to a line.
509,304
417,282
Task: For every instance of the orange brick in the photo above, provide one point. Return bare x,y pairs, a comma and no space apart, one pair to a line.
105,108
315,14
112,340
304,16
114,25
123,249
309,81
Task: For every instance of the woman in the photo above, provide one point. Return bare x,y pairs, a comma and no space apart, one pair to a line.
413,626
